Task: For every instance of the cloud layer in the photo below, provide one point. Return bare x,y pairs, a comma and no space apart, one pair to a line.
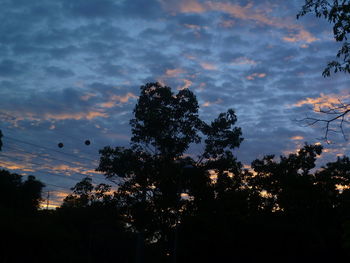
71,71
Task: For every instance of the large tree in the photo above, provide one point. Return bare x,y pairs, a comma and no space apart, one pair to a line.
159,180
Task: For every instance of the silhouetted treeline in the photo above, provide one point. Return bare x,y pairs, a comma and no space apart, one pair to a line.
173,207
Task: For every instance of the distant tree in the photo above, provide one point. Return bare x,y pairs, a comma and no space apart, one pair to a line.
18,195
337,13
86,195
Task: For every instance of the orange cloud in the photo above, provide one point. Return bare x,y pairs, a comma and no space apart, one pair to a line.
20,116
116,100
187,84
15,166
302,35
75,116
208,103
324,101
69,170
191,6
256,75
171,73
297,138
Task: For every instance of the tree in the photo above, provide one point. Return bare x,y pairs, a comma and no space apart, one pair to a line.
337,13
17,195
288,184
86,195
302,206
154,172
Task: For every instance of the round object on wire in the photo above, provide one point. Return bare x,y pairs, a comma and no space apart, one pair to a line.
60,145
87,142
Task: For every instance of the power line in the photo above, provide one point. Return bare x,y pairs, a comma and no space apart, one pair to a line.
50,157
54,174
55,131
47,148
58,186
55,185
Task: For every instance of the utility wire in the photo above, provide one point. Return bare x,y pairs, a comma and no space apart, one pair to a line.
54,174
50,157
62,187
47,148
55,131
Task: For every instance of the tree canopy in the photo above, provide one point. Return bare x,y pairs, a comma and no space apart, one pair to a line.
155,169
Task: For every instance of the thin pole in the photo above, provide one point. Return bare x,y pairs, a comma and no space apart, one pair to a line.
48,200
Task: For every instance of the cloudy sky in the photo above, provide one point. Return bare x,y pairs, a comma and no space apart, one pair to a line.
71,71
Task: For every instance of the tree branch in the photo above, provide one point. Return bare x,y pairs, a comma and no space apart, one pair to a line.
334,114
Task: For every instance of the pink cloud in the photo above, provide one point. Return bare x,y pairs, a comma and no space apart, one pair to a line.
256,75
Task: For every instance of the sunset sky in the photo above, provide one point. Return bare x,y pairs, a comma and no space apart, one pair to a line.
71,71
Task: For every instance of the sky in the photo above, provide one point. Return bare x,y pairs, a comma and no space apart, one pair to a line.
70,71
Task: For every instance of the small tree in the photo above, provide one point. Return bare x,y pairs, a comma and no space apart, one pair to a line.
20,195
86,195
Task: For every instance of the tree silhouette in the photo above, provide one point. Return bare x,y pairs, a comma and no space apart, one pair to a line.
155,174
92,214
86,195
18,195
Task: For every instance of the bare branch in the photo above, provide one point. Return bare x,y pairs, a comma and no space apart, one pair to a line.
333,117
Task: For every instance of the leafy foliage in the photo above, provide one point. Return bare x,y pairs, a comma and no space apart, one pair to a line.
338,14
85,195
153,174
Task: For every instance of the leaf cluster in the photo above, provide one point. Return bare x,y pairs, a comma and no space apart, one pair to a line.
337,13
